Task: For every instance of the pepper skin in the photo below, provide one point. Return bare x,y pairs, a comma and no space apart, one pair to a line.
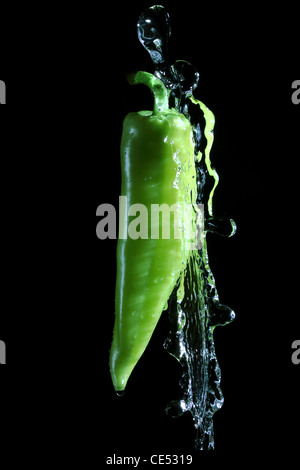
157,161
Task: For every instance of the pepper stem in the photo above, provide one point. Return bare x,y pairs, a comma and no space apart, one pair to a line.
160,93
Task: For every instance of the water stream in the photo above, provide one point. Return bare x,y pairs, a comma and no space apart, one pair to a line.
194,307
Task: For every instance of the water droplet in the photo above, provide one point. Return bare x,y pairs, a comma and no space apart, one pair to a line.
187,75
153,32
221,226
176,408
221,314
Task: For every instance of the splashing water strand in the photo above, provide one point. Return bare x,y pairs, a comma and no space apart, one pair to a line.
194,306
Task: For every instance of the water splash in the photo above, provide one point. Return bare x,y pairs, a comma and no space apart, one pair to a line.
194,306
191,342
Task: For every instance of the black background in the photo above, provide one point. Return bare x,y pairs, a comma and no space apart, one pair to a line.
67,98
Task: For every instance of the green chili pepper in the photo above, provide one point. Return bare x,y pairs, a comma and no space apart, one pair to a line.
157,160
